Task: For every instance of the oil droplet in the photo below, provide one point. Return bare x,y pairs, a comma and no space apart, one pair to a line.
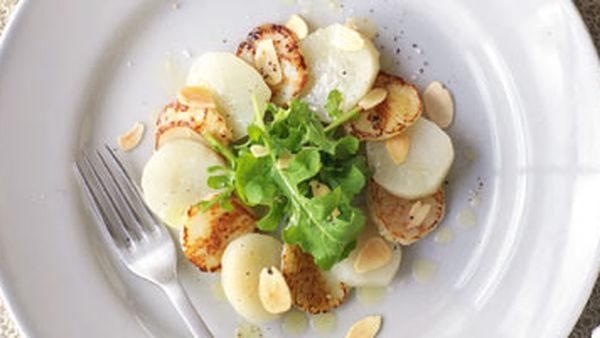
173,77
471,154
467,218
369,295
294,322
364,25
423,270
475,200
288,2
324,323
248,331
334,5
443,235
217,291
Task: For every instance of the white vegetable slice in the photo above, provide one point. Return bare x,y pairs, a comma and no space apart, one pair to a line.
286,76
402,220
233,83
313,290
401,108
330,67
242,262
175,178
383,276
427,164
206,234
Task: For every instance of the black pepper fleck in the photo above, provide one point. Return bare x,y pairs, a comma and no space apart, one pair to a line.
397,50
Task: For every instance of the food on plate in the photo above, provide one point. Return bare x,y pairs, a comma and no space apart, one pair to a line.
439,104
132,137
377,269
275,52
171,181
273,291
423,171
232,82
365,328
205,234
313,290
263,159
400,108
243,260
351,69
405,221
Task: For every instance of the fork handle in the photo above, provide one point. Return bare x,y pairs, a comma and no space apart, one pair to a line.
186,310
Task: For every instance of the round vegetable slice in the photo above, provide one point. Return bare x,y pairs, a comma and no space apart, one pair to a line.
313,290
405,221
424,169
206,234
289,60
173,179
401,108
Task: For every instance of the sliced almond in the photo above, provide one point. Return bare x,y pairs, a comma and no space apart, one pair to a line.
363,25
283,161
259,151
398,148
347,39
373,255
365,328
417,214
373,98
267,62
273,291
196,97
297,25
319,189
131,138
439,105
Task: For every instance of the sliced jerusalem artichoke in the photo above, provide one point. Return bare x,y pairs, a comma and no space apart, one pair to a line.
401,220
206,234
273,50
400,109
313,290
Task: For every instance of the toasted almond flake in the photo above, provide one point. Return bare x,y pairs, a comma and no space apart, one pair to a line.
418,212
347,39
267,62
374,254
319,189
365,328
439,105
259,151
363,25
273,291
283,161
196,97
297,25
373,98
131,138
398,148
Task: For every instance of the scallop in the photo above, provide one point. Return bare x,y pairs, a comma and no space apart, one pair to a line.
206,234
313,290
382,276
175,178
289,60
423,171
351,69
233,83
401,108
405,221
242,263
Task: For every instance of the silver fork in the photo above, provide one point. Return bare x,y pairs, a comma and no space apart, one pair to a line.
131,231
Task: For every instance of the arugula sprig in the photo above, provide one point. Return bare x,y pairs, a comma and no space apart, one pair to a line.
298,149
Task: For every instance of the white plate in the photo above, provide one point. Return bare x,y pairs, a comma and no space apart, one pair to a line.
525,79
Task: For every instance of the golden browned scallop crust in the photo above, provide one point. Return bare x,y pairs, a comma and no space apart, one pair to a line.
206,235
401,108
395,216
313,290
197,120
291,60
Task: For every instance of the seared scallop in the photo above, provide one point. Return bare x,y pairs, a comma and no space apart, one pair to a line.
401,108
401,220
273,50
313,290
206,234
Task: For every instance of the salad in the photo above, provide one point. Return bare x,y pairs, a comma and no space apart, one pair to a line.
298,169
